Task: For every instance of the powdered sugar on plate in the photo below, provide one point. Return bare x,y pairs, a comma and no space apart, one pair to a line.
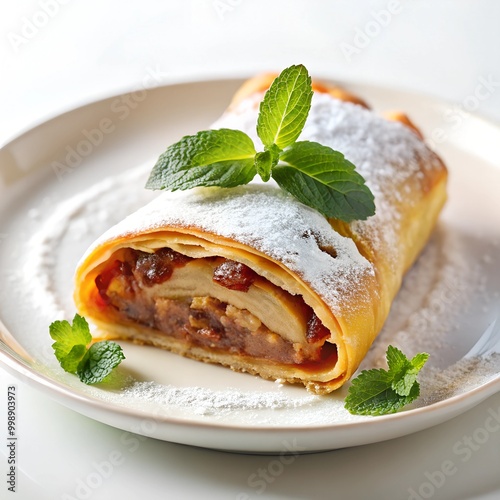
436,293
459,378
203,401
81,218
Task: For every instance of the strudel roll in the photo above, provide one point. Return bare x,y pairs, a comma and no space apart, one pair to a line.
250,278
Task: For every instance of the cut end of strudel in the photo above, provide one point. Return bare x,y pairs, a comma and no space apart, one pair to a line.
250,278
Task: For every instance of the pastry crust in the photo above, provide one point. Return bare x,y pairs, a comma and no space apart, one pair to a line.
347,273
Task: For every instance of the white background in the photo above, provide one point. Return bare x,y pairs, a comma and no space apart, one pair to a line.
56,55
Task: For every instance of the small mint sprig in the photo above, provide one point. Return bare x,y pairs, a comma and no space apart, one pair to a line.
316,175
379,392
92,364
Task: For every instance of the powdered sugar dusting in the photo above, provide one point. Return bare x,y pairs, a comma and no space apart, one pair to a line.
268,220
459,378
386,153
203,401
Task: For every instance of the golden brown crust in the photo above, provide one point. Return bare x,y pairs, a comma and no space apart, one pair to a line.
398,116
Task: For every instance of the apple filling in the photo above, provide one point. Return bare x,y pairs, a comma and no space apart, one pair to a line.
211,302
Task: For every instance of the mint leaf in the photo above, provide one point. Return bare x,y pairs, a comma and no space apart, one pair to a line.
223,158
419,360
99,361
400,370
379,392
316,175
71,361
325,180
70,348
285,107
396,360
266,161
371,394
263,164
67,336
404,371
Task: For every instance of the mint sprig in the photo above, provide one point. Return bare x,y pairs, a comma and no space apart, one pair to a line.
316,175
92,364
380,392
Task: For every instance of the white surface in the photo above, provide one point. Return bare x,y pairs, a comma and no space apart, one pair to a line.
87,50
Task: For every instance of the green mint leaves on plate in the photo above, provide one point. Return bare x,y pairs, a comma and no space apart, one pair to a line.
316,175
92,364
379,392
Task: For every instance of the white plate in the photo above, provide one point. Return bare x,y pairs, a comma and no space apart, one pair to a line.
49,215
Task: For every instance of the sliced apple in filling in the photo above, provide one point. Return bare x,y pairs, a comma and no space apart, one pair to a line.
211,302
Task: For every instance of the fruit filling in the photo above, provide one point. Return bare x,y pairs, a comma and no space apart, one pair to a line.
201,302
